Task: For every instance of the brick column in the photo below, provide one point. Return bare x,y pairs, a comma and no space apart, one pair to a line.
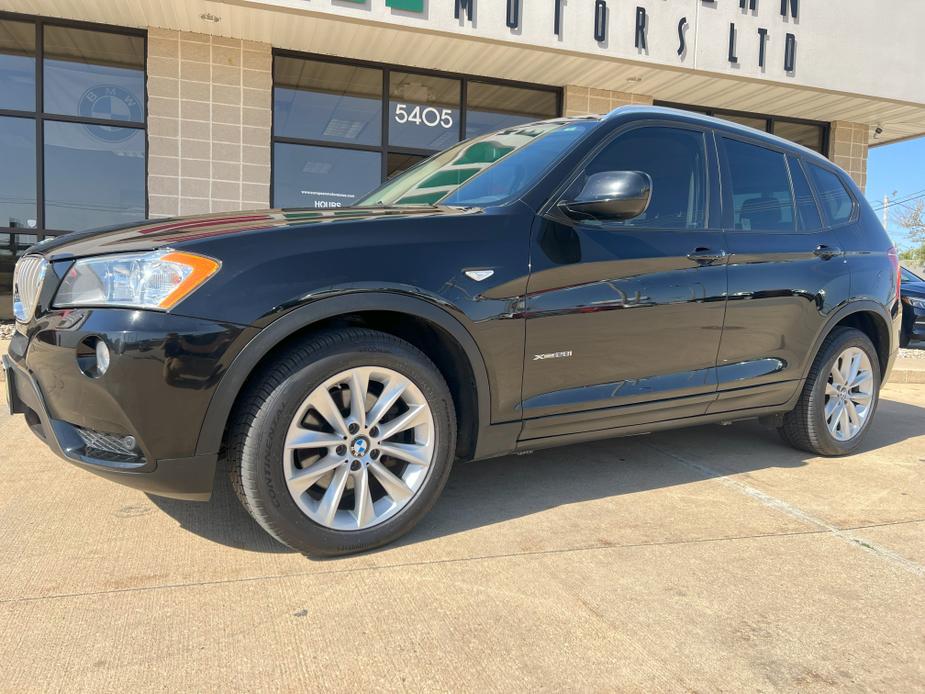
582,101
209,111
848,148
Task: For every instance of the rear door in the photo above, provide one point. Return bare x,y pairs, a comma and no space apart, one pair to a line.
624,318
786,272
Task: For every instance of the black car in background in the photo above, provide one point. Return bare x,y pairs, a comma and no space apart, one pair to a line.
546,284
913,300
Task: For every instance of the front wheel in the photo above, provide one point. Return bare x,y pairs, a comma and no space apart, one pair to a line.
839,398
343,443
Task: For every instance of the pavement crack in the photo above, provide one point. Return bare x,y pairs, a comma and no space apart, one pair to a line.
848,535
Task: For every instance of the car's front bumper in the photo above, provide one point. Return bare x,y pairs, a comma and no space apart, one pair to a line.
162,375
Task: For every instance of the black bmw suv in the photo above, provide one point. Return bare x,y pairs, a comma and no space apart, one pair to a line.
550,283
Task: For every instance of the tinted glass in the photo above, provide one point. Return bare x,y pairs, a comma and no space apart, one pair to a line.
675,161
17,65
94,175
761,196
807,135
423,111
807,211
837,204
94,74
320,177
494,106
12,247
909,276
17,183
315,100
399,163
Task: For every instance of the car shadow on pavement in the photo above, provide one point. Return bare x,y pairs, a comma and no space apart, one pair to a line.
494,491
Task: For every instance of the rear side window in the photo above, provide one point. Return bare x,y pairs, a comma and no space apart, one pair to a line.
675,159
837,203
807,212
761,195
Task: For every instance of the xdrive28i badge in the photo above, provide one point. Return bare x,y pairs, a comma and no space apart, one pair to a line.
109,102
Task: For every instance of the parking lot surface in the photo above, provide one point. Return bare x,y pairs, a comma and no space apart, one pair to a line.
704,559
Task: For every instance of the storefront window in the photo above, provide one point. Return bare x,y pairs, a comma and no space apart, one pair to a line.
373,122
423,111
493,106
322,177
17,65
315,100
17,183
806,134
810,135
94,75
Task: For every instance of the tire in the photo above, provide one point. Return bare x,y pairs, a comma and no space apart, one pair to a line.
806,427
272,414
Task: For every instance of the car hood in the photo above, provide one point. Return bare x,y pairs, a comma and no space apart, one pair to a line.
916,289
185,232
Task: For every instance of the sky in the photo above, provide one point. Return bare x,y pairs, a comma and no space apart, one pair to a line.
897,170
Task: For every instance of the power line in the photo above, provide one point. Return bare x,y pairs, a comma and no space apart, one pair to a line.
915,196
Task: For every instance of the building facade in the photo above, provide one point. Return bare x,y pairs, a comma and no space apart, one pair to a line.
111,110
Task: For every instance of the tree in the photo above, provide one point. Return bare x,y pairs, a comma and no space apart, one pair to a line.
912,219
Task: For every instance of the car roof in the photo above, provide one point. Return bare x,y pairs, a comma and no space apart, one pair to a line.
681,115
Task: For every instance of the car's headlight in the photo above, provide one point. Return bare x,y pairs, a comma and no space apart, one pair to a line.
915,301
158,280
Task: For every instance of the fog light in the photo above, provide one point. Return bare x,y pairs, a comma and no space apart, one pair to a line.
102,357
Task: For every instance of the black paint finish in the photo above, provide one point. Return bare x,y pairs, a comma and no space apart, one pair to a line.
583,330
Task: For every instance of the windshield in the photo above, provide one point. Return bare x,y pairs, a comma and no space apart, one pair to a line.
486,170
909,276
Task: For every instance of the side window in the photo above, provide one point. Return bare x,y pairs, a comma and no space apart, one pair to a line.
807,212
761,195
837,204
675,159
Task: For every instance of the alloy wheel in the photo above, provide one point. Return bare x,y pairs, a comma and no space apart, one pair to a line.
849,393
359,448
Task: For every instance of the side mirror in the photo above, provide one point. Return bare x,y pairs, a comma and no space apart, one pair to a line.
611,195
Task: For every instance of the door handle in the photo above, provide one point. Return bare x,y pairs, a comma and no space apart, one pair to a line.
705,255
827,252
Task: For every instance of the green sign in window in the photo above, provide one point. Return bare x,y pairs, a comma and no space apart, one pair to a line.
407,5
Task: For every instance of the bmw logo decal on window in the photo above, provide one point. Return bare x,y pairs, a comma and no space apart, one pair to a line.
109,102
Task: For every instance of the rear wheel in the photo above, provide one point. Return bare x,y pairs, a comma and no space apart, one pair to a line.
343,443
839,398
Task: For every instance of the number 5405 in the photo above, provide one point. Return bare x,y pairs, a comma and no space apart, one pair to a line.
429,116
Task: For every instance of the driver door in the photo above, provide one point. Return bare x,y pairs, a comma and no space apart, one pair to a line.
624,318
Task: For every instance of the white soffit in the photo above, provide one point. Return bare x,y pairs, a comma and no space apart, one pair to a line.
351,36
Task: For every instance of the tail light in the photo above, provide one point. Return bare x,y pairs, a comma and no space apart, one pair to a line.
893,255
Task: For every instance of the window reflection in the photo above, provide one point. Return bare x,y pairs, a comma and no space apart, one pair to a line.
808,135
17,65
94,175
322,177
315,100
494,106
94,74
17,183
399,163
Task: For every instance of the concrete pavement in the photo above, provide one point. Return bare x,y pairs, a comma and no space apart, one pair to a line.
709,559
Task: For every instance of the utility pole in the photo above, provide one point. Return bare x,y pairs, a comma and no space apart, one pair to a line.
886,211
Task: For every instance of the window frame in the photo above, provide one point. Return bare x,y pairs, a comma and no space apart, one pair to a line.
384,148
855,205
713,209
769,119
39,117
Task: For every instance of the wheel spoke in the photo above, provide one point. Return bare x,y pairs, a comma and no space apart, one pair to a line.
843,422
328,409
308,438
402,422
861,398
854,367
301,480
359,383
831,409
363,508
390,394
838,377
862,378
416,454
830,389
394,486
853,416
332,495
